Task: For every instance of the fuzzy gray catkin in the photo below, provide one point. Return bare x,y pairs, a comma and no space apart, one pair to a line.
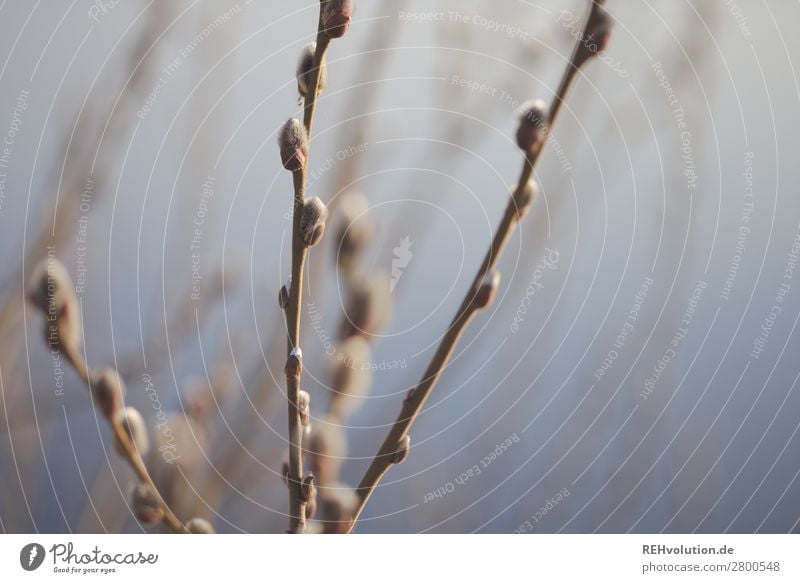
336,17
336,505
133,425
403,449
304,407
312,221
284,294
293,145
307,489
487,290
311,508
532,125
294,363
306,71
108,391
50,290
369,307
325,448
146,505
353,231
597,35
351,376
525,198
199,526
49,285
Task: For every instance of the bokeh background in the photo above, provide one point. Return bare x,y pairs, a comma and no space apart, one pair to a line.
641,358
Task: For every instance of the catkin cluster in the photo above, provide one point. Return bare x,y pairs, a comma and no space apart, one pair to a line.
51,291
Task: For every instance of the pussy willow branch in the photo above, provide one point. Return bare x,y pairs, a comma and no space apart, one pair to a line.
131,454
297,507
417,397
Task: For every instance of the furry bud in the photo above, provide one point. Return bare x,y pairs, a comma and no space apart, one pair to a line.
524,198
336,16
146,505
307,490
338,504
487,290
50,290
596,35
325,448
401,454
354,230
49,286
351,376
311,508
293,144
306,71
199,526
283,294
312,221
133,424
108,390
304,407
532,125
294,364
369,307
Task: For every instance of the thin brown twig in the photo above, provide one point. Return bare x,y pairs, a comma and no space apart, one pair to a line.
131,454
388,453
297,506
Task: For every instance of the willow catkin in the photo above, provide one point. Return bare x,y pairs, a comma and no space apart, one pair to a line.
133,425
353,231
487,290
311,508
284,294
597,35
403,449
312,221
294,364
145,505
293,145
50,291
199,526
177,454
306,71
532,125
304,407
351,376
336,17
325,448
307,489
108,391
336,506
369,307
525,197
49,285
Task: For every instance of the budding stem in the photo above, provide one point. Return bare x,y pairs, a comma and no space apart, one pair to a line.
131,454
297,507
417,397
